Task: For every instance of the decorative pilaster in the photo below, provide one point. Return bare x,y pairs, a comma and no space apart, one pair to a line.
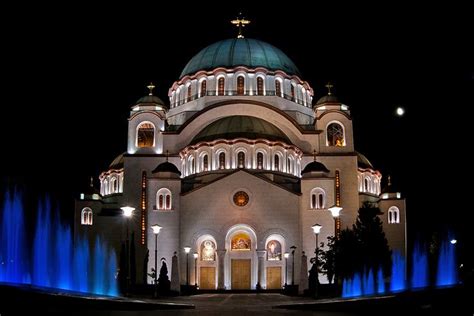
261,271
220,269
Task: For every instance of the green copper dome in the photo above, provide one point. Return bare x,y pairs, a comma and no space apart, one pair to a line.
235,52
233,127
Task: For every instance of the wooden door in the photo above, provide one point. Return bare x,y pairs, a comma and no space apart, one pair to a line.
207,278
273,277
240,274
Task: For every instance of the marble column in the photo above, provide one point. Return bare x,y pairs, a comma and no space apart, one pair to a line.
220,270
261,267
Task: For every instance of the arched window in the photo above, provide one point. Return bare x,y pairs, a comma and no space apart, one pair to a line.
145,135
278,88
241,159
86,216
276,163
222,161
113,185
208,250
220,86
205,163
318,199
163,199
203,88
366,185
335,134
393,215
189,93
273,250
240,85
288,165
192,165
260,86
292,90
259,161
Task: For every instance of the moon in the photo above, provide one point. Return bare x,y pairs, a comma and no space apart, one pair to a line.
400,111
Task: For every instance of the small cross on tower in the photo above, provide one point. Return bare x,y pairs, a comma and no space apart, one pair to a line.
329,86
240,22
150,87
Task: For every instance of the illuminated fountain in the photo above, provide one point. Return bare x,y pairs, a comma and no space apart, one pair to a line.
446,273
52,260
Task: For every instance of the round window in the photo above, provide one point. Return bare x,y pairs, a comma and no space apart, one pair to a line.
241,198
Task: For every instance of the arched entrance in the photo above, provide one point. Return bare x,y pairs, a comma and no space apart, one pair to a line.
206,263
241,259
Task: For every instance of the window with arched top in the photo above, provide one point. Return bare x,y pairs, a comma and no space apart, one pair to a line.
86,216
366,185
240,85
222,160
205,163
393,215
163,199
189,93
208,250
318,199
276,162
220,86
260,86
114,185
335,135
259,161
292,91
241,160
273,250
203,88
145,135
278,88
288,165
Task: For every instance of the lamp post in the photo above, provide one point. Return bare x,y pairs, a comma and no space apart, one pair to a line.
316,229
335,212
156,230
286,255
127,213
293,248
195,255
187,250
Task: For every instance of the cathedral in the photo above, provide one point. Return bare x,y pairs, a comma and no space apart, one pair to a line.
238,174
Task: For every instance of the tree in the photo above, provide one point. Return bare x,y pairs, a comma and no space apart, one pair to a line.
327,258
163,280
145,266
373,249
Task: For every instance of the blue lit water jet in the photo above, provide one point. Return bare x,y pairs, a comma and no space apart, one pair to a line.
397,279
447,272
53,261
419,277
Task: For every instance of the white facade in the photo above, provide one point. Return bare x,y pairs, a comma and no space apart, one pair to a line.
222,171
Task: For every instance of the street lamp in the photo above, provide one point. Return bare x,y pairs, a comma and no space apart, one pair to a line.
156,230
127,213
316,229
293,248
187,250
335,212
195,255
286,255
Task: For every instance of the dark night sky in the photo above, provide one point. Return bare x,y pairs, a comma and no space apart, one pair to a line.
71,74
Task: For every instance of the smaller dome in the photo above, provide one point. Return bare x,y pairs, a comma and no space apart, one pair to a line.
151,99
167,167
117,163
315,167
330,98
363,162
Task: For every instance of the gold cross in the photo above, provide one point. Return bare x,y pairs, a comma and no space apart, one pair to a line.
150,87
329,86
240,22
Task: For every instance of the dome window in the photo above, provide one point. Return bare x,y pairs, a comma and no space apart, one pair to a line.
240,85
145,135
335,135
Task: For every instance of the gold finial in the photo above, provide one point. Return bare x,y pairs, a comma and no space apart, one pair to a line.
167,155
92,182
314,154
329,86
240,22
389,178
150,87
